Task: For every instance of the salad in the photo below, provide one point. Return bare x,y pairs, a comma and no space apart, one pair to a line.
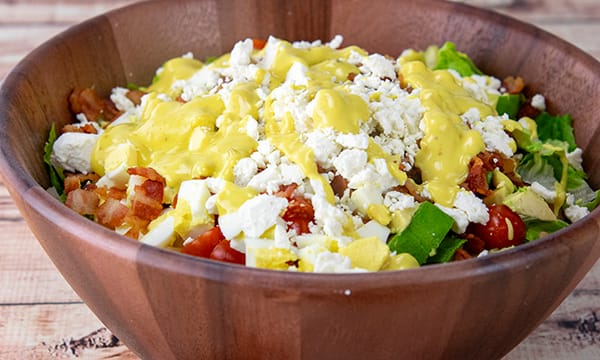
312,157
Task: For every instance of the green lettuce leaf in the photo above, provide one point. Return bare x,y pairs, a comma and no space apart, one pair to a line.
450,58
556,128
537,228
56,174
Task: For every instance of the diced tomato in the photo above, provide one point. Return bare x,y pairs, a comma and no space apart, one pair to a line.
299,214
259,44
203,244
224,252
504,228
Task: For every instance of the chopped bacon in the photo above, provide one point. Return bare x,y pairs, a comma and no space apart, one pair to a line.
88,102
339,185
477,177
86,128
135,96
111,213
146,202
461,254
351,76
513,85
482,164
137,224
147,199
147,172
74,181
286,191
506,165
82,201
474,244
411,188
527,110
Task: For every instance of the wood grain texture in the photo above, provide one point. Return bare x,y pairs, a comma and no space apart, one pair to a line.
42,301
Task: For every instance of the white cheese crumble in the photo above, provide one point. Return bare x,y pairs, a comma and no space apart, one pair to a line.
72,151
245,219
539,102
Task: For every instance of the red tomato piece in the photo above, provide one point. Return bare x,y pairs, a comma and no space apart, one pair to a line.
204,244
224,252
299,214
504,228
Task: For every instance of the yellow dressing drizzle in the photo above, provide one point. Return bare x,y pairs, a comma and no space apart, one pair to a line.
340,110
448,144
175,69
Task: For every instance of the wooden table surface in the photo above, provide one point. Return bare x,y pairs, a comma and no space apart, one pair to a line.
42,318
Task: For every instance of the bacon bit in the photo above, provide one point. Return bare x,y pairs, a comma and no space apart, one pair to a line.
404,84
135,96
477,178
82,201
147,172
411,188
351,76
71,183
474,244
485,162
111,213
146,202
506,165
94,108
113,193
138,225
286,191
74,181
513,85
461,254
87,128
259,44
339,185
528,111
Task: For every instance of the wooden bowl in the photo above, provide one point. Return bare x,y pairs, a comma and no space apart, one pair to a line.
164,305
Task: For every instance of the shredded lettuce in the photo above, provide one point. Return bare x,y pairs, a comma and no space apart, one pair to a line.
545,160
56,174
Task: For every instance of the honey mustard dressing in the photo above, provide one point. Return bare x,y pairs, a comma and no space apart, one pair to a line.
448,144
206,136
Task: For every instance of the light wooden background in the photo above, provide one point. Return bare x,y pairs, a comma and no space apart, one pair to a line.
42,318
